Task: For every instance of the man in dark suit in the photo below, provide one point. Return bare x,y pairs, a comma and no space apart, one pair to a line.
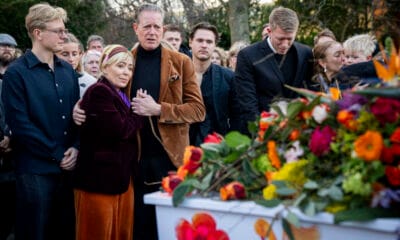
217,86
265,67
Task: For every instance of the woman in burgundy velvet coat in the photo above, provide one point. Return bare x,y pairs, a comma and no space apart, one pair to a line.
108,153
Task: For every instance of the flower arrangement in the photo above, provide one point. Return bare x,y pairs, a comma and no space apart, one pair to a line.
203,227
314,153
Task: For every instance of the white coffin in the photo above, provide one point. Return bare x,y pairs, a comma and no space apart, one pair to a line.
237,218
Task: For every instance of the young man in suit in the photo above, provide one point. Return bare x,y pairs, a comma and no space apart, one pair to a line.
265,67
217,86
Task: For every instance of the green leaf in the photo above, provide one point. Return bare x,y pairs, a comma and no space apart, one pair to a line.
380,92
294,108
235,139
366,214
180,192
287,229
311,185
269,203
335,193
285,192
310,209
231,157
279,183
293,219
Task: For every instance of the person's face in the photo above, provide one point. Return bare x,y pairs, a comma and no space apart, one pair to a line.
202,44
120,73
333,60
174,38
149,30
95,45
281,40
71,54
215,58
92,65
52,36
7,53
352,57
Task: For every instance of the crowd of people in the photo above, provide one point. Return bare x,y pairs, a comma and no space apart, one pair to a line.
90,132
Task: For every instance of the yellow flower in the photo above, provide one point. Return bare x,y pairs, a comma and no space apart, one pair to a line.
292,172
335,207
269,192
369,146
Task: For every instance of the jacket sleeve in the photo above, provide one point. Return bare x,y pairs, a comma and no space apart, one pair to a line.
23,129
191,108
246,89
105,117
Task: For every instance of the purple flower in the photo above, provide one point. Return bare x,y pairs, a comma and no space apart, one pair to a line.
385,197
351,101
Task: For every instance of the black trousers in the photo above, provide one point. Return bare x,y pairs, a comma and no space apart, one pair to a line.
147,180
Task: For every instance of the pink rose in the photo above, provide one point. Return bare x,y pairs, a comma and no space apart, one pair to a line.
321,140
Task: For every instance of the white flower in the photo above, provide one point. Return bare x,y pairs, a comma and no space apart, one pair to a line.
319,113
282,105
294,152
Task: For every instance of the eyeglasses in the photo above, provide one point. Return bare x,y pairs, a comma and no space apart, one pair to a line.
59,32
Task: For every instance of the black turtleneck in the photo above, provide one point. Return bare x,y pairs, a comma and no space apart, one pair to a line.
147,72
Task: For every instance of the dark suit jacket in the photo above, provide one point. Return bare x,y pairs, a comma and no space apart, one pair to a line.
259,79
108,150
225,108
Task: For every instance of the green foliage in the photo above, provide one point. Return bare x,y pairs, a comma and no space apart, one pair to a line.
344,18
85,17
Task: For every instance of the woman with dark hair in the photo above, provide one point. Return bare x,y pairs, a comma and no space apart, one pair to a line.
328,60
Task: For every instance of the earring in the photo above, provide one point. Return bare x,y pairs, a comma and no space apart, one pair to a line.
324,69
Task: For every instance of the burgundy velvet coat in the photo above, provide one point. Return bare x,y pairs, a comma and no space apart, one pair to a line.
109,141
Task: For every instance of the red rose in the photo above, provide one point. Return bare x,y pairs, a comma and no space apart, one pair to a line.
393,175
386,110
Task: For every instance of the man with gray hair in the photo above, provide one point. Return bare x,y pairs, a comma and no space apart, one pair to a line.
95,42
263,68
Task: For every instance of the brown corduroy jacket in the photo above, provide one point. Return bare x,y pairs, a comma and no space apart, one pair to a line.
181,102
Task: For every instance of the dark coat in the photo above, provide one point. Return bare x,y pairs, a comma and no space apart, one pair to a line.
38,103
109,146
259,79
225,105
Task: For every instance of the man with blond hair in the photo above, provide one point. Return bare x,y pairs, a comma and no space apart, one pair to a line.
263,68
39,92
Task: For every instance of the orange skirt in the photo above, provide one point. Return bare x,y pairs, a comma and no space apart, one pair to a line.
104,217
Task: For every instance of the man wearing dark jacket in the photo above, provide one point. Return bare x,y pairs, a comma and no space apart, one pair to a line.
217,86
265,67
39,92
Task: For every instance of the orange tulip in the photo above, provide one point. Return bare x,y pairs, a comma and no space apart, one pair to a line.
233,190
261,227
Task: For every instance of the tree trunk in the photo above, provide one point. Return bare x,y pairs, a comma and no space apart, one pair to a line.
239,20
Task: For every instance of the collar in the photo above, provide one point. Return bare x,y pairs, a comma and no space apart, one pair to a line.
33,60
270,45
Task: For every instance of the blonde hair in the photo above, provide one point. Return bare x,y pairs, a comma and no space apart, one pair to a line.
115,53
284,18
40,14
363,43
222,54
